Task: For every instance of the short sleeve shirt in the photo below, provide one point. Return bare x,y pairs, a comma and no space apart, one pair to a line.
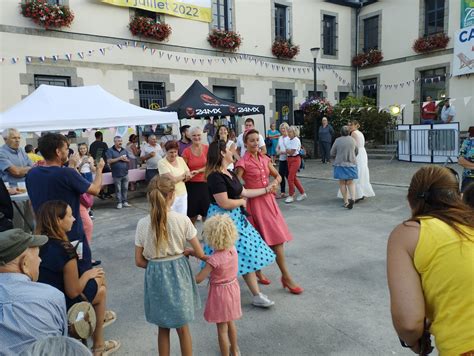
60,183
220,183
241,144
164,167
282,140
55,254
446,112
180,230
10,157
225,264
152,162
196,162
256,172
467,151
120,168
294,144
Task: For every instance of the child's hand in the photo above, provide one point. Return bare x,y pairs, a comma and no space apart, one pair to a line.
188,252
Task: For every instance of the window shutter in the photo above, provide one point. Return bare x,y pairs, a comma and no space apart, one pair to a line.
288,22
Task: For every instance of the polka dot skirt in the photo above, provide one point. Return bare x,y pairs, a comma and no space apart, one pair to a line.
254,253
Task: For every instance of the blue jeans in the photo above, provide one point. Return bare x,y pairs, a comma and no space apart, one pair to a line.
121,188
466,181
149,174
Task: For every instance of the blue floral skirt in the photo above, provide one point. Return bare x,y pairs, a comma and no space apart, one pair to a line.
254,253
171,294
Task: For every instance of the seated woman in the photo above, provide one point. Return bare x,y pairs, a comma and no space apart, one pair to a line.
59,269
430,266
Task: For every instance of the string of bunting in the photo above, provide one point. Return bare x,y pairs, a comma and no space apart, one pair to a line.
82,55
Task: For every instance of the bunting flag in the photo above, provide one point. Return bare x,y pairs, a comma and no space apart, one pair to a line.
28,59
81,55
102,50
152,51
68,56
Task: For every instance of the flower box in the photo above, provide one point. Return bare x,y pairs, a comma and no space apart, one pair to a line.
225,40
147,27
284,49
370,58
47,15
430,43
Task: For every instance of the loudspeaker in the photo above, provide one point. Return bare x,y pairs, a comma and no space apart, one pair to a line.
299,117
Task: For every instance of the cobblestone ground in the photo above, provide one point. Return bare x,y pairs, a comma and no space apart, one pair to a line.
337,255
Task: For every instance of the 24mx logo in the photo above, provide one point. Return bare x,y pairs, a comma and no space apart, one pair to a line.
208,111
243,110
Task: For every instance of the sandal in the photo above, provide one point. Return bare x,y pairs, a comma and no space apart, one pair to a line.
109,318
110,346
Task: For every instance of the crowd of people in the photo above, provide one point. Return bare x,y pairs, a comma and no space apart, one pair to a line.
232,186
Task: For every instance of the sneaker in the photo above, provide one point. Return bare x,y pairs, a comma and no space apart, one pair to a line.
119,206
262,301
301,197
290,199
126,205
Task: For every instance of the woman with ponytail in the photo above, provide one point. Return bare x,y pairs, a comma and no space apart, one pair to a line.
171,295
430,266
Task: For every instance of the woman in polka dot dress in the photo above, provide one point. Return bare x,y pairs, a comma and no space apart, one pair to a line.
228,197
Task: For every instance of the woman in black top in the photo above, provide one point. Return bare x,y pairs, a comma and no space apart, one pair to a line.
59,268
228,197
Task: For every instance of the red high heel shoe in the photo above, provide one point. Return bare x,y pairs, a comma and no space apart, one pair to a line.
297,290
263,281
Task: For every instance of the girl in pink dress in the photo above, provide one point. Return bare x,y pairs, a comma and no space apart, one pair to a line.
223,300
265,215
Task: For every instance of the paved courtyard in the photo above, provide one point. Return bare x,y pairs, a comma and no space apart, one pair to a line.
337,255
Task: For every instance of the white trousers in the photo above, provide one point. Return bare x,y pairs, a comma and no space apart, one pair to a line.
180,204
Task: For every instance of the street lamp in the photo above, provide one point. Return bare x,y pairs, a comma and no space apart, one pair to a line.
314,53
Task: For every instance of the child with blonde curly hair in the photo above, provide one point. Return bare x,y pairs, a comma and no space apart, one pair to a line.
223,301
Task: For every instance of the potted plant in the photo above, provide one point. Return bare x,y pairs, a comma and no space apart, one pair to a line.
225,40
370,58
282,48
147,27
47,15
430,43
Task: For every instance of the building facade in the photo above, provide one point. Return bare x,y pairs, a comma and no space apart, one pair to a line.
98,48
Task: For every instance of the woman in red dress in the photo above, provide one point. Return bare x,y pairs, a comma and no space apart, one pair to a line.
265,215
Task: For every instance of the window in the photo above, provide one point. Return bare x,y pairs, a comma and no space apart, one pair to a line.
152,95
433,83
329,35
52,80
150,14
370,88
55,2
319,94
434,16
226,93
284,106
222,14
371,33
343,95
281,28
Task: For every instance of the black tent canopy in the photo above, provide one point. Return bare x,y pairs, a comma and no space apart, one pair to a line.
197,102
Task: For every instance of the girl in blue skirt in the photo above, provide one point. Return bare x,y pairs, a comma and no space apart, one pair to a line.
171,295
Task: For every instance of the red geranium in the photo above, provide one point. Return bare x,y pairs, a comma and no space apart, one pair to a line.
147,27
47,15
372,57
284,49
430,43
226,40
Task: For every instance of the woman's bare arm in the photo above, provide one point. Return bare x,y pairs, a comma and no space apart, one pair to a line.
406,294
140,261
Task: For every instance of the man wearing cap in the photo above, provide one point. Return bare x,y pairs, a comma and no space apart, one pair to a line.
29,311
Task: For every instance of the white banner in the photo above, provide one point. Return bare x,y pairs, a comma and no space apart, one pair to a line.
463,58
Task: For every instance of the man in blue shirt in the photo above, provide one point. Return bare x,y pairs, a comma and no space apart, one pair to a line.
29,311
14,162
117,159
53,181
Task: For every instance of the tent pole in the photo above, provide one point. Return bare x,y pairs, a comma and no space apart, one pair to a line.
264,126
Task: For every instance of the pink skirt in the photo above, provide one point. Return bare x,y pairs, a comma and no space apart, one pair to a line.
266,217
86,222
223,302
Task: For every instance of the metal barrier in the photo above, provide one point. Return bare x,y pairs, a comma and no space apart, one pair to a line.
424,143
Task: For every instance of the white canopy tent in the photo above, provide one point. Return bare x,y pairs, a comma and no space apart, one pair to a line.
53,108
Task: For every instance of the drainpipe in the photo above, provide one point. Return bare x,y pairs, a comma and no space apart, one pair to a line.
361,3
